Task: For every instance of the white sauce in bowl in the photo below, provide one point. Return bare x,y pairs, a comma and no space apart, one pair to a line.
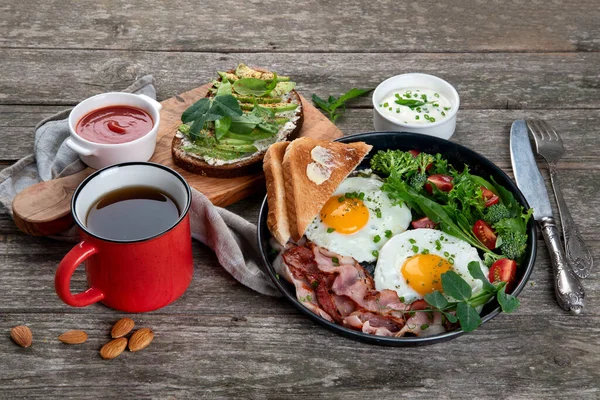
417,106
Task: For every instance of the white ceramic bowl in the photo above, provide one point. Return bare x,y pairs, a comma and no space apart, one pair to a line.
444,128
100,155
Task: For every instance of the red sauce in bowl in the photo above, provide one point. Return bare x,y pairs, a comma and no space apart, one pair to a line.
114,124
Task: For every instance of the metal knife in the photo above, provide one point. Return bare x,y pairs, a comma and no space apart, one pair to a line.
568,289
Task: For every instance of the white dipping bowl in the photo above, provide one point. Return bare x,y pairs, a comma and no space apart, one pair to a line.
444,128
100,155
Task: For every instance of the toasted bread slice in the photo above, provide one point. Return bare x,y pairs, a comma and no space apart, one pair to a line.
277,219
312,170
244,166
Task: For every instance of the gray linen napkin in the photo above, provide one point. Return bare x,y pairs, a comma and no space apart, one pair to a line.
230,236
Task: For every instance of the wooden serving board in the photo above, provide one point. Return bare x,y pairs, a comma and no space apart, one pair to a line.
45,208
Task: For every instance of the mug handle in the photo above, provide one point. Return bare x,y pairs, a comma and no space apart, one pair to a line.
66,268
78,148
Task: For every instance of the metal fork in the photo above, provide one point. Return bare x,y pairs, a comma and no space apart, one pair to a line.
550,146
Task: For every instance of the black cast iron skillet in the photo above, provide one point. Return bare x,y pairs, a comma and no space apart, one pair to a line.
457,155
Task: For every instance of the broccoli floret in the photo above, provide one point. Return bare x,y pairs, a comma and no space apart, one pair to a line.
423,160
495,213
394,160
417,181
513,244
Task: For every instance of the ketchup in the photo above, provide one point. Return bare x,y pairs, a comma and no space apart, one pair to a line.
114,124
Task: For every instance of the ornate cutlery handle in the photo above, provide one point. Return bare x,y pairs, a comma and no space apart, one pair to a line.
569,292
578,255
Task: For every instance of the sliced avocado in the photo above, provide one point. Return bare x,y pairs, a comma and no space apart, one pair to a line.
236,141
282,88
212,152
256,134
259,100
228,76
277,107
238,148
244,71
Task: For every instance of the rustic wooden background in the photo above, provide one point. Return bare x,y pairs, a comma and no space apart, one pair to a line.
507,59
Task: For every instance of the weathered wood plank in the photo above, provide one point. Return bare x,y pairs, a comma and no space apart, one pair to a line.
29,265
311,26
579,129
484,81
268,356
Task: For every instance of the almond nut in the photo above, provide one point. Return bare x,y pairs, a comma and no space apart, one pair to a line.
122,327
73,337
113,348
140,339
21,335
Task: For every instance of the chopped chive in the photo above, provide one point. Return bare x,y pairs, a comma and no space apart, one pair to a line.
425,251
431,119
335,260
388,234
376,239
412,241
361,196
390,108
416,117
386,104
375,253
424,326
443,114
341,199
330,230
446,108
415,249
436,94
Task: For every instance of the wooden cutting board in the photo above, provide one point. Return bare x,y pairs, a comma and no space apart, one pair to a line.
45,208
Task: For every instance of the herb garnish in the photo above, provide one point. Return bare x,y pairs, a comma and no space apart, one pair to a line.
335,107
464,302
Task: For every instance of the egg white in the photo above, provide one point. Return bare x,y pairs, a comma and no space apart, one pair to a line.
360,245
388,272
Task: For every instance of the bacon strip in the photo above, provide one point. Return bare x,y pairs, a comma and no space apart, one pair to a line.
344,291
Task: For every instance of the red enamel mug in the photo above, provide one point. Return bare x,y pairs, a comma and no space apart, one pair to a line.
130,275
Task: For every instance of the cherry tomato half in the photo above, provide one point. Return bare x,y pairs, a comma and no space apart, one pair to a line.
489,197
443,183
504,270
485,234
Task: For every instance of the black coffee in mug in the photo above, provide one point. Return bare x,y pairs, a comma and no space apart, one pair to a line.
132,213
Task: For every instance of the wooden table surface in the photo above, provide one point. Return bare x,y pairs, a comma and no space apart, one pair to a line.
508,60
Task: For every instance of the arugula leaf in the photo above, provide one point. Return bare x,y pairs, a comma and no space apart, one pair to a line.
468,317
508,302
335,107
455,286
436,299
476,272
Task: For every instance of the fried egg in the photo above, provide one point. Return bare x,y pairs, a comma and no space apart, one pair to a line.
412,263
358,220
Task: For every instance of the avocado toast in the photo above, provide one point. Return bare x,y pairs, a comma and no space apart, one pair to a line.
227,133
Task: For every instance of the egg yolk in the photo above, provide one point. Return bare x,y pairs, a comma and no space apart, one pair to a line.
346,216
422,272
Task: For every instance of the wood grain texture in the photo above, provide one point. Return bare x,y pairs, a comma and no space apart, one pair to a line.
308,26
484,81
508,60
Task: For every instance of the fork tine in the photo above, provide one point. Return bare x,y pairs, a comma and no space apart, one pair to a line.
531,123
551,132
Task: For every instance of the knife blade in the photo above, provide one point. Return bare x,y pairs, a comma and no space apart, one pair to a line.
568,289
